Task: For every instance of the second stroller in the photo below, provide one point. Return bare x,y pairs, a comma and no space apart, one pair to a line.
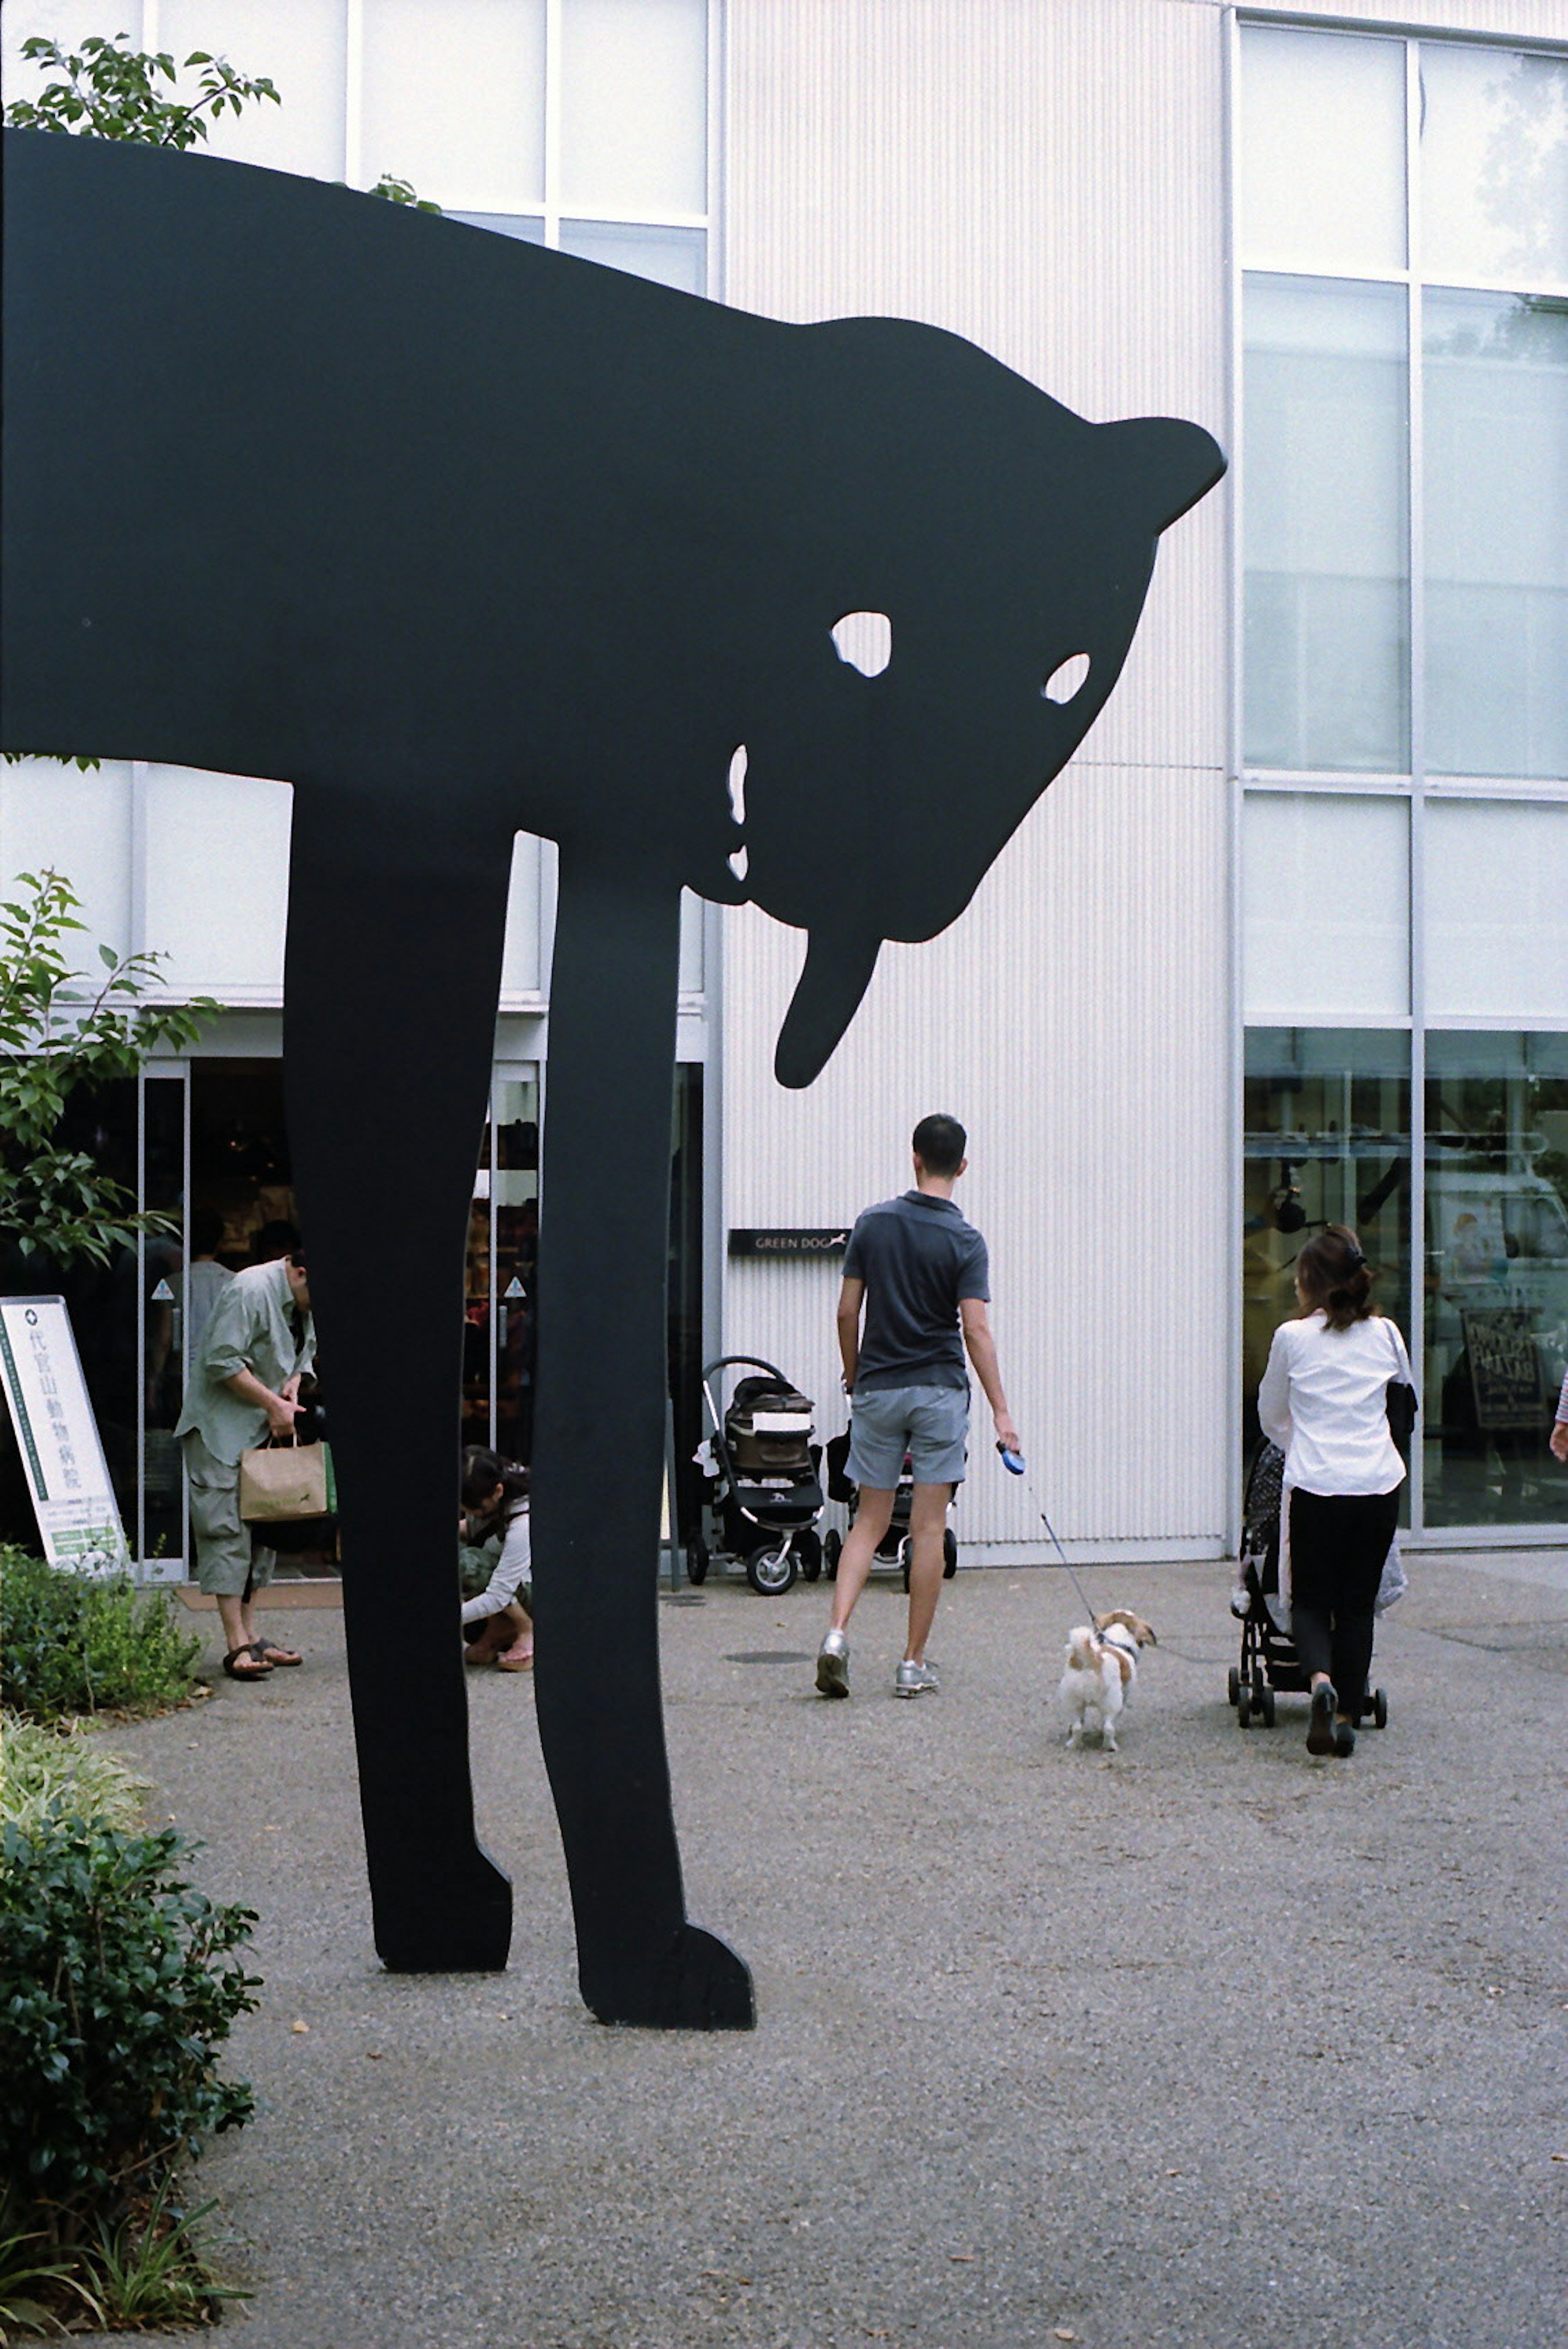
764,1498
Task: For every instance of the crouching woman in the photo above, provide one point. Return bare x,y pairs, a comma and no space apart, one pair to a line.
1324,1399
497,1625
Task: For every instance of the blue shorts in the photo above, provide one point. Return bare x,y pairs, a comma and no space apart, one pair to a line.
931,1423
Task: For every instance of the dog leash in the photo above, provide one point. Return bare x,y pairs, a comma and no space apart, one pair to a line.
1014,1464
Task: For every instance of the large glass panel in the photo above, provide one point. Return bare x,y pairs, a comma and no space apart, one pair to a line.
1497,909
454,100
1321,157
669,256
1325,907
1326,595
303,52
1496,375
498,1343
634,106
1497,1275
161,1275
217,881
1327,1119
1494,165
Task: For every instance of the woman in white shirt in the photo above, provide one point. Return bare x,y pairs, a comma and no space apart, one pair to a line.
1324,1401
497,1624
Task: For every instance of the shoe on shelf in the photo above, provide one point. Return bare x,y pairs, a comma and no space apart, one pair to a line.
1345,1738
1320,1722
833,1665
916,1679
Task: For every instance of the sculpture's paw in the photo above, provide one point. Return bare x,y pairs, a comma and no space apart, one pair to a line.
696,1984
456,1918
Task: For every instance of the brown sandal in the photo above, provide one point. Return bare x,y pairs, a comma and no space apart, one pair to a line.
268,1652
245,1664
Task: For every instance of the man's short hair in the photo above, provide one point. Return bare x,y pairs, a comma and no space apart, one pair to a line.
940,1144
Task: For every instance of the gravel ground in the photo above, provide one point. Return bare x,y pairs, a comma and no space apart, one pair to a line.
1205,2042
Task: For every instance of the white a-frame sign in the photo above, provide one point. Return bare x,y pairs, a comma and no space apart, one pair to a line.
58,1436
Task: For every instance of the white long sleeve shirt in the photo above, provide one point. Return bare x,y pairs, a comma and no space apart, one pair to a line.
1322,1400
511,1570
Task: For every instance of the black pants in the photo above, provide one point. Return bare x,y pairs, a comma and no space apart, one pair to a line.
1338,1545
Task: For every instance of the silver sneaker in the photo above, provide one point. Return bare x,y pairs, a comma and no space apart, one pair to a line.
833,1665
916,1679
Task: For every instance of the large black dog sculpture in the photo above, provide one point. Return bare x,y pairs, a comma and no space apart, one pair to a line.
461,536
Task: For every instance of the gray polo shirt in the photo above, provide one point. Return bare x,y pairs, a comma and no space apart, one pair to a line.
251,1329
919,1260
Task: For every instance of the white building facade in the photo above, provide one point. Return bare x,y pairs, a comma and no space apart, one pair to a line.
1287,941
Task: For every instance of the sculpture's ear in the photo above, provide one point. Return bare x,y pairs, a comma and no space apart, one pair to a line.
1162,464
836,975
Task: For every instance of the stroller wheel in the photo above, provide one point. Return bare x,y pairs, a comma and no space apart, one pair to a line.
770,1570
1244,1708
1379,1709
1233,1687
1264,1703
950,1553
808,1549
831,1543
697,1560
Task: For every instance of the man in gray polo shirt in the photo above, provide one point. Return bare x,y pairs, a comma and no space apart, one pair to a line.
921,1275
243,1384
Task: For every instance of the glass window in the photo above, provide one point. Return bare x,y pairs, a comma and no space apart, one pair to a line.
1321,168
217,879
1494,165
634,84
1496,909
1496,492
670,256
1324,500
1497,1275
303,52
1327,1115
454,100
1325,907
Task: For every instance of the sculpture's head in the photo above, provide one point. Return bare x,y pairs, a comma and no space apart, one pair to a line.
1005,546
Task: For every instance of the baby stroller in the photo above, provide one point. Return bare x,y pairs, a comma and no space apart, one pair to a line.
893,1550
764,1498
1269,1658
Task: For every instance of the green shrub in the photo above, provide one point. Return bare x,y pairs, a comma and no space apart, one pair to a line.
118,1983
74,1644
62,1767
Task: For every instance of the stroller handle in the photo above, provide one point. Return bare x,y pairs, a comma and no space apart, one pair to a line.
752,1361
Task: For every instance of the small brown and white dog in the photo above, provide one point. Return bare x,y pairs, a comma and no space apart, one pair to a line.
1101,1667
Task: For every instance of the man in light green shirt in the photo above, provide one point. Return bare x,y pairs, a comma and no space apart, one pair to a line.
243,1384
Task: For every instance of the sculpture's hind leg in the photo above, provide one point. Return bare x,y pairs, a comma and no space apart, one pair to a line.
603,1255
395,939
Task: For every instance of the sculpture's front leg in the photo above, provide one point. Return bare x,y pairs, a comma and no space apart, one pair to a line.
395,929
598,1447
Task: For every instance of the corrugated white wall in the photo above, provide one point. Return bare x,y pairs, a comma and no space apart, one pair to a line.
1048,180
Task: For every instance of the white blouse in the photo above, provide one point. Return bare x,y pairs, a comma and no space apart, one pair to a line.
1323,1401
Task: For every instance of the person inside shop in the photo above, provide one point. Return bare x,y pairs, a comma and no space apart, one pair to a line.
497,1623
207,1277
244,1386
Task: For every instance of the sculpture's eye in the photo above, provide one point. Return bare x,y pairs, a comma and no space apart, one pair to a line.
1066,678
739,860
864,639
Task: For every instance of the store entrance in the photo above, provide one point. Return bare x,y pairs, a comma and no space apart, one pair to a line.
206,1144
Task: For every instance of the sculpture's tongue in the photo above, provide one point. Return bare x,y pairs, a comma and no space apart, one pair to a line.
827,995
